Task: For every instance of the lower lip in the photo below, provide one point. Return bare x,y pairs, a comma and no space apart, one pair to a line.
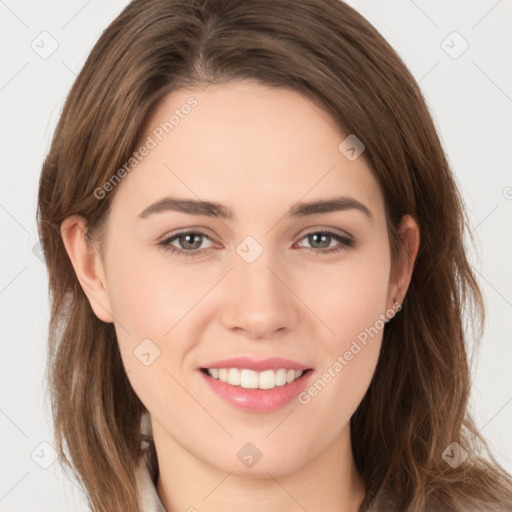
258,400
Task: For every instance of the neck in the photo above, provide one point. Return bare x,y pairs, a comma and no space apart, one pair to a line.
329,482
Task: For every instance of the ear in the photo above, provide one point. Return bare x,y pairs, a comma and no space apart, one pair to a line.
88,265
402,268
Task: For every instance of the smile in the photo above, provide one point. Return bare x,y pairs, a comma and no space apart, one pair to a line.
251,379
255,391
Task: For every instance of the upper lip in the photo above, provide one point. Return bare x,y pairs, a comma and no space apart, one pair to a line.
271,363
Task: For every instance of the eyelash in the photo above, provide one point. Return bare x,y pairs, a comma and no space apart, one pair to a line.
345,244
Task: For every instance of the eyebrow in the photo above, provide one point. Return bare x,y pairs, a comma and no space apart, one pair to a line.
213,209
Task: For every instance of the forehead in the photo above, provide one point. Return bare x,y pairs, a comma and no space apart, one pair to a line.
246,145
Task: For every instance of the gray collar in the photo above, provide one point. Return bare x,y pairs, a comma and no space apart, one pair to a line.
146,475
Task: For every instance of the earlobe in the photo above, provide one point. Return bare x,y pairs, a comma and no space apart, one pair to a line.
87,264
410,239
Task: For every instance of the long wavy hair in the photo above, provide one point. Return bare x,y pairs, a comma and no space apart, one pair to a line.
417,403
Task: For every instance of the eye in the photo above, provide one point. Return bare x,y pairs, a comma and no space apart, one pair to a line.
189,243
321,240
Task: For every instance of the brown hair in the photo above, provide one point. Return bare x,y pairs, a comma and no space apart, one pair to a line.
417,402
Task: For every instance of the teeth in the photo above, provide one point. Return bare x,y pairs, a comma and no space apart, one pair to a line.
248,378
267,379
281,377
251,379
234,377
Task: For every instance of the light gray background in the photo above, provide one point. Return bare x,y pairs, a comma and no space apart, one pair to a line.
470,99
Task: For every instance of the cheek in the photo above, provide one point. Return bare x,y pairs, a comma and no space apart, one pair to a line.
354,309
352,302
351,298
143,303
151,301
147,296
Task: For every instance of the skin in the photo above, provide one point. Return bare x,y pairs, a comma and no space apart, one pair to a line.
253,149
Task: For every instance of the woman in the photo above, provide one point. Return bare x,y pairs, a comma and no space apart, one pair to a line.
258,281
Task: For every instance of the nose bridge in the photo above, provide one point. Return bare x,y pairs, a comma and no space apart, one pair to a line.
258,301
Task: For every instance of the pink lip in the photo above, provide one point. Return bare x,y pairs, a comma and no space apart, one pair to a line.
257,400
271,363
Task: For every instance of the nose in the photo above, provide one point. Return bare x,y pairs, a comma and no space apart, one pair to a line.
259,300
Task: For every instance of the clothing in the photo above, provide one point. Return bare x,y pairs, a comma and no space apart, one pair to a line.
146,475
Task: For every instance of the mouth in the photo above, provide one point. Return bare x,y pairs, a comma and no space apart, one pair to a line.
264,387
251,379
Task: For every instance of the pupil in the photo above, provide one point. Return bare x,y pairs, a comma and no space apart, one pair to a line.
191,236
321,236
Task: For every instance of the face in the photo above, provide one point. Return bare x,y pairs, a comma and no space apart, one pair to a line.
266,277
